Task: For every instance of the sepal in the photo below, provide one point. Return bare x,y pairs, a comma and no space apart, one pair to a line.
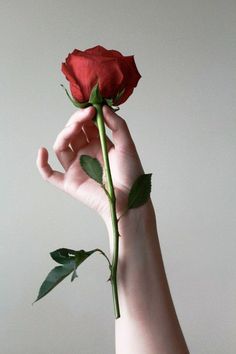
118,97
95,96
109,101
75,102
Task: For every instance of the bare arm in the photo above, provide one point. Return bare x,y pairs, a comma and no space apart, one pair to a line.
148,323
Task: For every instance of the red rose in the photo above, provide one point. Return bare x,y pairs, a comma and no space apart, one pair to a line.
112,71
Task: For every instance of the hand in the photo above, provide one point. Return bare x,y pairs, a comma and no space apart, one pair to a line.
80,137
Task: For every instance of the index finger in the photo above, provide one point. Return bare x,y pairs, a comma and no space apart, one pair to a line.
81,116
73,128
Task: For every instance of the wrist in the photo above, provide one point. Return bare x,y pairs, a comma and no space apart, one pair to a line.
135,224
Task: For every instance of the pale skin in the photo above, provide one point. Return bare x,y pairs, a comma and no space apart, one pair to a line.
148,322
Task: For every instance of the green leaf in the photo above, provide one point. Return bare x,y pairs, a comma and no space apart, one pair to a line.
81,255
54,277
74,275
92,167
140,191
63,255
75,103
95,96
69,265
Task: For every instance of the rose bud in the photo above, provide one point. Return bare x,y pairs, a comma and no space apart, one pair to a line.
115,75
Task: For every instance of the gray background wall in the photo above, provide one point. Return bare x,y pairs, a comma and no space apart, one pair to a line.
182,117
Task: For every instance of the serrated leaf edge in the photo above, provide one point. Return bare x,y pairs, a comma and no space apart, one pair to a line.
131,203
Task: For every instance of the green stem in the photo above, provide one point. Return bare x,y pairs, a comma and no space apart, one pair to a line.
104,254
112,202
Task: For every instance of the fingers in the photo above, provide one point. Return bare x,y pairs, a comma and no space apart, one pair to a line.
78,141
54,177
120,132
66,137
91,131
82,116
72,137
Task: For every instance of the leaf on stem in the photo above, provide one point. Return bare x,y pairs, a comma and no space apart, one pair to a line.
92,167
140,191
74,275
63,255
54,277
69,261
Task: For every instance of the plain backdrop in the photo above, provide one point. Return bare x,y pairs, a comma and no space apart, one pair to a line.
182,118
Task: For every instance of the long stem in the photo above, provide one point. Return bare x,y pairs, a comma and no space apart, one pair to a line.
112,202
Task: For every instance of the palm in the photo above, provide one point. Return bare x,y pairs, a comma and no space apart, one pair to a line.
124,168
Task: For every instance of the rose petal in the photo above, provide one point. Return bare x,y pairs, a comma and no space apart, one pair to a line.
101,51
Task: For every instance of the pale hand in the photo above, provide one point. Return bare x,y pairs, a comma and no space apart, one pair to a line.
80,137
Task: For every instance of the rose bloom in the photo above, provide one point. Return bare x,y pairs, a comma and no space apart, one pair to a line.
112,71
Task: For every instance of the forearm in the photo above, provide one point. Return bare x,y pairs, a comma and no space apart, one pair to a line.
148,323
